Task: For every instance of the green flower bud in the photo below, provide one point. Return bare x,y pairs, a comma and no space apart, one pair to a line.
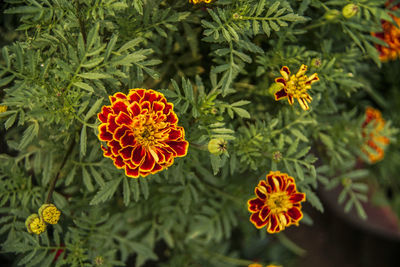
349,10
217,146
316,62
332,14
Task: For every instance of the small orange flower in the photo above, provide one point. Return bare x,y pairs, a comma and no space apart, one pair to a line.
372,129
391,36
141,132
277,204
199,1
295,86
255,265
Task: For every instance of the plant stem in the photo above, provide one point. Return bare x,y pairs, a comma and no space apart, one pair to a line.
54,181
290,245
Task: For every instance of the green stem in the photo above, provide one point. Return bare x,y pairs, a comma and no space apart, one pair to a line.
54,181
293,247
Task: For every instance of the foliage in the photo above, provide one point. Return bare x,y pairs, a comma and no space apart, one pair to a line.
217,63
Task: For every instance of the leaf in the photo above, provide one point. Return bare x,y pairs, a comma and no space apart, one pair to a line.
260,7
266,28
84,86
110,46
87,181
6,80
126,191
242,112
292,148
299,135
30,133
6,57
93,109
272,8
93,75
299,171
97,177
314,200
92,63
130,44
83,142
10,121
106,192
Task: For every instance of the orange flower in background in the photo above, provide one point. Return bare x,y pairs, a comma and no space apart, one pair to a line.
199,1
391,36
255,265
277,204
295,86
141,132
372,129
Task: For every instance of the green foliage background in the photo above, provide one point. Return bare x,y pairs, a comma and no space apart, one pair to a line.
216,63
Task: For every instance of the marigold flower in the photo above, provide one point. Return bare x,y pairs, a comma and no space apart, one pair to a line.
141,132
3,108
295,86
35,225
255,265
277,204
372,129
199,1
391,36
49,213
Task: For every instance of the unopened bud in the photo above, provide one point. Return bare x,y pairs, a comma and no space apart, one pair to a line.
217,146
332,14
277,156
316,62
350,10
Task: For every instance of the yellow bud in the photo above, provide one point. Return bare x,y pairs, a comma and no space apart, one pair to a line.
35,224
332,14
217,146
349,10
49,213
3,108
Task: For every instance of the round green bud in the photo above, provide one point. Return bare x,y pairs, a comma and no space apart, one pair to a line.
349,10
217,146
332,14
316,62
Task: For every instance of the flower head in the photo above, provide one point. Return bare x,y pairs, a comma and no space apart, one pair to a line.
199,1
277,204
217,146
295,86
49,213
391,36
372,131
35,224
141,132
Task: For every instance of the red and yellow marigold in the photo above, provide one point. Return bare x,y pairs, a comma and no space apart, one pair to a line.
295,86
372,131
391,36
141,132
277,203
200,1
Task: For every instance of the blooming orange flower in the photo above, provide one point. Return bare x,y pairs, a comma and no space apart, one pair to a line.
200,1
372,129
141,132
277,204
391,36
295,86
255,265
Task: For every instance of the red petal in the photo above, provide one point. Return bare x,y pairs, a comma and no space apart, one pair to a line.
121,131
290,99
180,147
280,94
295,213
120,96
119,162
140,92
145,105
172,118
112,126
148,163
255,204
128,140
298,197
134,108
158,106
123,118
273,224
175,134
290,189
126,152
106,151
281,81
103,115
264,213
256,220
259,193
157,168
138,154
119,106
132,172
103,134
150,96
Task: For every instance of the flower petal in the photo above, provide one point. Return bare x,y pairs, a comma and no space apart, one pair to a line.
264,213
123,118
148,162
180,147
295,213
255,204
131,172
126,152
119,106
281,94
256,220
285,72
138,155
104,135
103,115
298,197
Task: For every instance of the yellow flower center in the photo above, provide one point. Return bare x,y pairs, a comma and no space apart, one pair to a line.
51,215
147,131
278,202
296,86
37,226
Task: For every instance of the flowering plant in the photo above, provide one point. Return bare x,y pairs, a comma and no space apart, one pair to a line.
135,132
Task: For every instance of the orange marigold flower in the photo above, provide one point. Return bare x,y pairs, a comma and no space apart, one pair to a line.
372,129
295,86
277,204
199,1
255,265
141,132
391,36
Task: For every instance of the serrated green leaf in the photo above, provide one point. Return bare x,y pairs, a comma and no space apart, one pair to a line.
93,109
272,8
266,28
292,148
93,75
30,133
92,63
241,112
84,86
10,121
6,80
87,181
106,192
83,142
126,191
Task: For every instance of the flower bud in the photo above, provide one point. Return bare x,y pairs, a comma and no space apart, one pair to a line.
35,225
217,146
277,156
332,14
316,62
3,108
349,10
49,213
